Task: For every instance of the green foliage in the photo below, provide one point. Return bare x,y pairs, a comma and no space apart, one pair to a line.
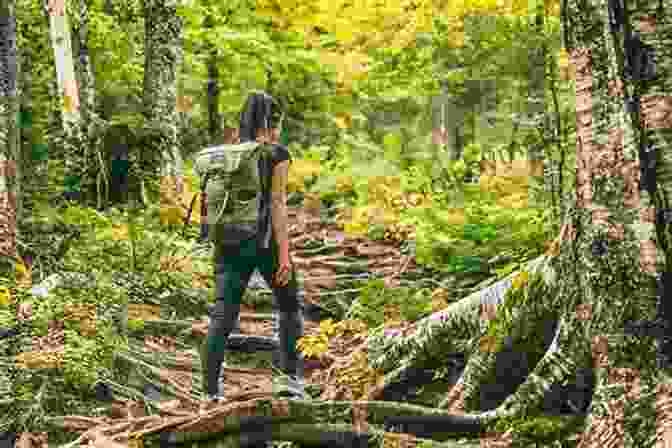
524,292
376,232
135,324
85,356
374,297
541,429
478,229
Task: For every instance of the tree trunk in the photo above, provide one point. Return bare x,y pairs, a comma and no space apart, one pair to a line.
9,148
212,92
67,86
26,138
90,117
163,29
536,106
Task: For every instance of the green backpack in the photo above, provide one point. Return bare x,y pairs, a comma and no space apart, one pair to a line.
232,187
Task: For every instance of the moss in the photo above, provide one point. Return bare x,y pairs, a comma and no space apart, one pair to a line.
543,430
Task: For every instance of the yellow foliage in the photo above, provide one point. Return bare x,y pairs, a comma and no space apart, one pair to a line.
172,210
344,184
305,168
358,223
517,200
69,104
316,346
566,69
120,232
343,121
553,248
351,325
39,360
563,58
135,441
184,103
143,312
520,280
327,327
486,182
23,274
170,215
454,216
299,172
5,296
359,377
488,344
313,346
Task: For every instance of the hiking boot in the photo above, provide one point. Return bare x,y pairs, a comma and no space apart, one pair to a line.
216,397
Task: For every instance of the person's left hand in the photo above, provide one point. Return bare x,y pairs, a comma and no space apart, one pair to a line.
282,274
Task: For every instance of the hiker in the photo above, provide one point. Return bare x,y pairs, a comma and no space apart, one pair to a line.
239,251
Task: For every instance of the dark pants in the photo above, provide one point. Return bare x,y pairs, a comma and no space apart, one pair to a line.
232,274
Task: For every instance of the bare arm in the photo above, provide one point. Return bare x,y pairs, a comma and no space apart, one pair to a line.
279,206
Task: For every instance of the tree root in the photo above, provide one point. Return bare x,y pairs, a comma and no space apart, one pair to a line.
320,422
437,334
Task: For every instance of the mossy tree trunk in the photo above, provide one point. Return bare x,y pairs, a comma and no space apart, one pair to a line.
90,118
9,147
537,105
163,49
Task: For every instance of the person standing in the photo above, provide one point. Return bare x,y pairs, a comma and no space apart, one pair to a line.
267,249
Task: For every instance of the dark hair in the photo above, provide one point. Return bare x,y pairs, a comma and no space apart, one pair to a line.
260,111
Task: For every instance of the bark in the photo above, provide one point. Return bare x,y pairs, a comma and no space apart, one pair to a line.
212,92
75,161
27,164
9,148
536,106
90,117
163,30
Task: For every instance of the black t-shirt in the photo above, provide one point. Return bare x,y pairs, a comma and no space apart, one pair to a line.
279,154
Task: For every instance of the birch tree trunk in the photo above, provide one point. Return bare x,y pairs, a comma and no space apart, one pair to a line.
67,86
9,147
163,29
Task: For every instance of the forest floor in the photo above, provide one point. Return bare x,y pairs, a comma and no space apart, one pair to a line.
248,377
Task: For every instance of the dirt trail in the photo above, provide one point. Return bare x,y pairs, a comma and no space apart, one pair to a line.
242,382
